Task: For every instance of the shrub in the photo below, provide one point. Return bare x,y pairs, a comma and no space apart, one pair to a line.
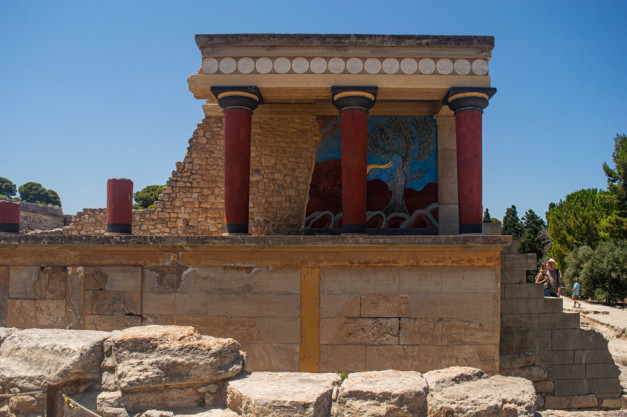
604,274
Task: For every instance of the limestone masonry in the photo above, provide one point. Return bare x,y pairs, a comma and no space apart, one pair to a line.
327,216
168,370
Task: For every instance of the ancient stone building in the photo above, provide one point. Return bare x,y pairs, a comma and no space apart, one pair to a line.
327,215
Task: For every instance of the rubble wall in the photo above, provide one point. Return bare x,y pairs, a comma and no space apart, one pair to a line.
192,203
39,217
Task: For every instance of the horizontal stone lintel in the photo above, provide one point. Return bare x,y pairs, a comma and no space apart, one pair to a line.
307,88
323,251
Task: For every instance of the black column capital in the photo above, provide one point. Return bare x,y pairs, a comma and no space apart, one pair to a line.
237,97
468,98
354,98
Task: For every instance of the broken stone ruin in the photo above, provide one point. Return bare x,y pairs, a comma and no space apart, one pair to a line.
166,371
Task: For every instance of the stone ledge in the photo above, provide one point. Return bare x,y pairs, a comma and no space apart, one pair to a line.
342,40
275,240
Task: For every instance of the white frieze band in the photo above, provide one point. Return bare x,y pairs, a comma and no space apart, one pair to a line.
337,65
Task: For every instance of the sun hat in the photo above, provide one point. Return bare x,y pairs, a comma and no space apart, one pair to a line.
551,260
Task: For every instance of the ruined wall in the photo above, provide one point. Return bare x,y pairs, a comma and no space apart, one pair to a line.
570,367
39,217
192,203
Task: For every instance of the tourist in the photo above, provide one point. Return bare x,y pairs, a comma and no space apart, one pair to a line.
543,278
576,288
555,279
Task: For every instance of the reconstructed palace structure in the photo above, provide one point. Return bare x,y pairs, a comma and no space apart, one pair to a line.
327,215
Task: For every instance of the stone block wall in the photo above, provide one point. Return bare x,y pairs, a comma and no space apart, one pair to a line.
409,318
314,303
260,307
570,367
192,203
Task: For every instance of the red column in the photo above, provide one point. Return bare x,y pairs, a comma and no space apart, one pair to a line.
238,104
354,103
119,205
237,128
354,127
469,170
468,105
9,217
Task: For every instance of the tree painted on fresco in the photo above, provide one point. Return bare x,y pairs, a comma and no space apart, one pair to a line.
410,141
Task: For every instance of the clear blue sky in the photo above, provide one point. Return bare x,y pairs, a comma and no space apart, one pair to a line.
95,90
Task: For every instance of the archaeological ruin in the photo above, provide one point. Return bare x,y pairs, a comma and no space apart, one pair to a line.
328,216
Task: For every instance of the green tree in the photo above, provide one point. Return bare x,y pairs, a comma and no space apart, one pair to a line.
7,188
486,216
576,221
604,274
146,197
33,192
617,177
534,237
615,225
512,224
53,198
575,261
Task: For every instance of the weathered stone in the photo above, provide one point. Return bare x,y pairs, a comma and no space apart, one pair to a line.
33,358
153,356
213,412
544,387
532,373
359,331
6,332
22,404
114,412
157,413
517,360
476,396
577,401
384,393
612,403
281,394
109,399
453,375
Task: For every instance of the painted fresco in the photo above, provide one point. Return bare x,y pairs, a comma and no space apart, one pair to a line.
402,175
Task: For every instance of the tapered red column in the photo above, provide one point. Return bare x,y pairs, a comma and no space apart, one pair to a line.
9,217
468,105
354,103
119,205
238,104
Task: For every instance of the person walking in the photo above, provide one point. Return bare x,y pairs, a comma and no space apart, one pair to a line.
543,278
555,279
576,289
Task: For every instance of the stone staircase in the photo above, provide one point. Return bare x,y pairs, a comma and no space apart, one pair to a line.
570,368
